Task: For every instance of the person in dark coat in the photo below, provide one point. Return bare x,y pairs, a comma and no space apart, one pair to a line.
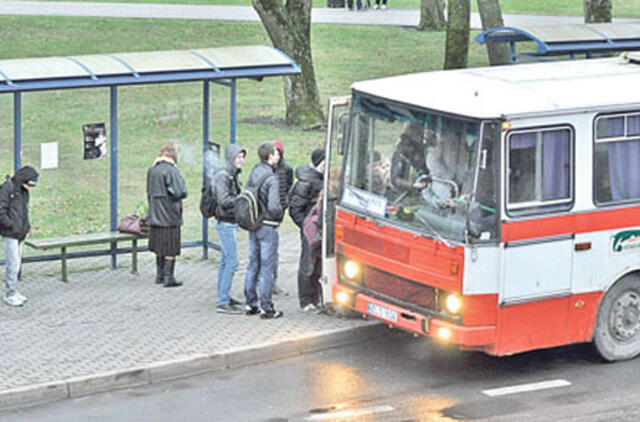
226,185
165,192
303,197
14,227
263,242
285,181
408,160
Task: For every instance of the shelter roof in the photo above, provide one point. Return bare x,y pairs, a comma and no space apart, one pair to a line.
33,74
554,40
511,91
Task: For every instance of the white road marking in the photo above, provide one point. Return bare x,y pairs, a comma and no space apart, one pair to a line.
349,413
523,388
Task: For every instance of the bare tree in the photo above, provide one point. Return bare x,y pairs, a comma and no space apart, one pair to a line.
432,15
597,11
457,43
289,27
491,17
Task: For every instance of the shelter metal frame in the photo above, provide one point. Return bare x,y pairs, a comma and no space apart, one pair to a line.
222,66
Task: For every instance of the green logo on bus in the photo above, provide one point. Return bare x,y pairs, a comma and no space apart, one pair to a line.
626,240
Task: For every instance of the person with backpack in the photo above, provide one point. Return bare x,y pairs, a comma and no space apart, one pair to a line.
303,197
14,227
226,186
263,236
285,181
165,192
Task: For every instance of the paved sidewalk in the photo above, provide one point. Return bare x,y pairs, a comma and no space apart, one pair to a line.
393,17
111,329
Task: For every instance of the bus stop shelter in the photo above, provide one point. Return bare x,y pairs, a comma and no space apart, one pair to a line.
223,66
565,40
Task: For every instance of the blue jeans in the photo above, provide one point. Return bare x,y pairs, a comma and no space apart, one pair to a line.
228,234
13,260
263,252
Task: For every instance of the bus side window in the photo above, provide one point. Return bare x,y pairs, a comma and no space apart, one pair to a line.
540,169
617,146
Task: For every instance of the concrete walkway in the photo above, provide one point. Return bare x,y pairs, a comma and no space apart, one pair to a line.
109,329
393,17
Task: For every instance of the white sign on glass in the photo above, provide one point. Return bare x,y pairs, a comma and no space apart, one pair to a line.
49,155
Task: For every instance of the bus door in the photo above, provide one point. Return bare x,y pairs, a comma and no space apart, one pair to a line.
538,253
338,116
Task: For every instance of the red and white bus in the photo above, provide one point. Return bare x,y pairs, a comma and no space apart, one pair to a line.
497,209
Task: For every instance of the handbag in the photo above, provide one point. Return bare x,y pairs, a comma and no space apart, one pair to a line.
133,224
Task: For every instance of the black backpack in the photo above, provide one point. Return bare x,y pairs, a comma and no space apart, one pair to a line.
207,200
247,210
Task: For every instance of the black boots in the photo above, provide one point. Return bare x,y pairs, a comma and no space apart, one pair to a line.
169,269
160,269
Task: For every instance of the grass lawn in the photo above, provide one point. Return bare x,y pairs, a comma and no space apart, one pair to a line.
75,198
621,8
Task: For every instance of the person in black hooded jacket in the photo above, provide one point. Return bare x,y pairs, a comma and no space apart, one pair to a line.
227,186
14,227
303,197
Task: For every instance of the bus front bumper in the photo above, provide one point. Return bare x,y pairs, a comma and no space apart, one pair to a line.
477,337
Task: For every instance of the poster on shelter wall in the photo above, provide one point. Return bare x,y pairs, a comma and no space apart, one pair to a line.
95,140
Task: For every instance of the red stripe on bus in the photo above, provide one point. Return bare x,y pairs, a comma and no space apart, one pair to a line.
570,224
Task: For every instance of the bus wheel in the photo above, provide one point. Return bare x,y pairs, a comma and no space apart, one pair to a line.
617,335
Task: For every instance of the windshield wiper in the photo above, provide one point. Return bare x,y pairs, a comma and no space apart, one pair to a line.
430,227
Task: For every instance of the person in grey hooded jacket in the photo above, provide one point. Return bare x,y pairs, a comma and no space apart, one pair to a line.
14,227
226,186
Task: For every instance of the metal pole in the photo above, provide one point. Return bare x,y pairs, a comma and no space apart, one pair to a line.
17,131
113,126
205,147
233,111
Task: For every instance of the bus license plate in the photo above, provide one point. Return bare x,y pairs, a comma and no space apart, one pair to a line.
381,312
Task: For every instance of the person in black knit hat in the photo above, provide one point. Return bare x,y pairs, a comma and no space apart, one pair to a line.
303,197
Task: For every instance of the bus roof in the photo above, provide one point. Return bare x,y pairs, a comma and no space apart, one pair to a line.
516,90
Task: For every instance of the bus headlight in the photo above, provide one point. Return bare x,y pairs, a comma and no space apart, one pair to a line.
342,298
453,303
351,269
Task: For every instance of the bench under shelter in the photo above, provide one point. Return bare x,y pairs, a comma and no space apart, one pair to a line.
223,66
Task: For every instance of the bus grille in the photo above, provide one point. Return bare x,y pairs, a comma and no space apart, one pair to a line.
400,289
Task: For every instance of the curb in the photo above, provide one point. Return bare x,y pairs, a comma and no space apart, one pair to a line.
186,367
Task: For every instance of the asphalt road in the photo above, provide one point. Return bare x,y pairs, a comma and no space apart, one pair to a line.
396,378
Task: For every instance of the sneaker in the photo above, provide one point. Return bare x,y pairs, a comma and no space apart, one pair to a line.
15,300
375,7
228,309
21,298
383,7
310,308
251,310
234,302
271,314
277,290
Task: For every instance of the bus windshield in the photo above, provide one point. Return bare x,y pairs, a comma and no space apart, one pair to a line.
430,173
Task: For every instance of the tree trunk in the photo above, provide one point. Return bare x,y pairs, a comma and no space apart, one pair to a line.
597,11
491,17
289,27
457,43
432,15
